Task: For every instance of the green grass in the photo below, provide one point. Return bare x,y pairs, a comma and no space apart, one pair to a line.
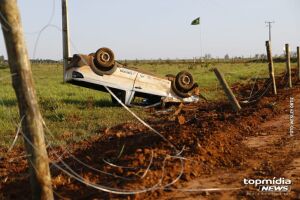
68,110
205,77
73,113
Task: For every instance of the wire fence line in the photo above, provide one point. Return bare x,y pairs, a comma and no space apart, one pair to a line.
158,186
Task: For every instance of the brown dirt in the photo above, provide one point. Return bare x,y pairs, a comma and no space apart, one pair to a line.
220,148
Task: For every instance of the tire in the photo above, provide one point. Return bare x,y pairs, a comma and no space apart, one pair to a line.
105,58
184,81
103,71
178,92
104,62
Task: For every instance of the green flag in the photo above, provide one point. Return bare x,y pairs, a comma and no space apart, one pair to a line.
196,21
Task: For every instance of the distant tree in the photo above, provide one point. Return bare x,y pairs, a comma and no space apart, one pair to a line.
1,59
207,56
263,56
294,54
226,57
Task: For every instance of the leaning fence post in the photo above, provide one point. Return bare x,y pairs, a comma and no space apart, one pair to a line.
298,62
271,66
234,102
288,64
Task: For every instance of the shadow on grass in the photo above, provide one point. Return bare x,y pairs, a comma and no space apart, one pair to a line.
8,102
4,67
90,103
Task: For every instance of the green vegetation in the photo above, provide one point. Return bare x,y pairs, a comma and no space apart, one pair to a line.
73,113
205,77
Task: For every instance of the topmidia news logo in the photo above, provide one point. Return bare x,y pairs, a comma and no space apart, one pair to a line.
270,185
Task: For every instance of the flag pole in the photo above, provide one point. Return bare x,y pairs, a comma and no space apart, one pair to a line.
201,55
197,22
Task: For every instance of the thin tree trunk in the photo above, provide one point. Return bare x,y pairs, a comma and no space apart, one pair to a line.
32,126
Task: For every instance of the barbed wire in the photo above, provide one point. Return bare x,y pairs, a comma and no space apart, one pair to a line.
67,151
17,135
70,172
58,29
47,24
6,27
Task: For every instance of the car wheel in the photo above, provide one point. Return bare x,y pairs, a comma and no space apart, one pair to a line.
104,62
178,92
104,57
184,81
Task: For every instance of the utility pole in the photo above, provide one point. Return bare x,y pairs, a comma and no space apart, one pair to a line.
32,126
65,36
269,24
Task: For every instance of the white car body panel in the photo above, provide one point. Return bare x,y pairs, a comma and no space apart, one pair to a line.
130,81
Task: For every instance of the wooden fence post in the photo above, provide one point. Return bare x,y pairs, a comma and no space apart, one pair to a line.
298,62
32,126
234,102
271,66
288,64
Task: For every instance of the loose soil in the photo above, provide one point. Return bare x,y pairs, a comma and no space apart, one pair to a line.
209,146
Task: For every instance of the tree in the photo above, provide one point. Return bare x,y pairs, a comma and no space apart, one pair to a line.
31,118
263,56
1,59
207,56
293,54
226,57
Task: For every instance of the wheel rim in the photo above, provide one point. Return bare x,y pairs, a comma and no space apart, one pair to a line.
104,57
186,80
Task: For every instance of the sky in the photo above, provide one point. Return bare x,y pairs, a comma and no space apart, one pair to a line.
144,29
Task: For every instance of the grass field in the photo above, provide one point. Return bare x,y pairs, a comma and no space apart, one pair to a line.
76,113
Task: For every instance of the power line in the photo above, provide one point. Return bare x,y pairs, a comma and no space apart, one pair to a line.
269,24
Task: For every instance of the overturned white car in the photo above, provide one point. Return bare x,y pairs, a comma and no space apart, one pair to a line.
100,69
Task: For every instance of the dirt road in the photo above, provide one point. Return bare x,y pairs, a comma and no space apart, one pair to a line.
275,153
